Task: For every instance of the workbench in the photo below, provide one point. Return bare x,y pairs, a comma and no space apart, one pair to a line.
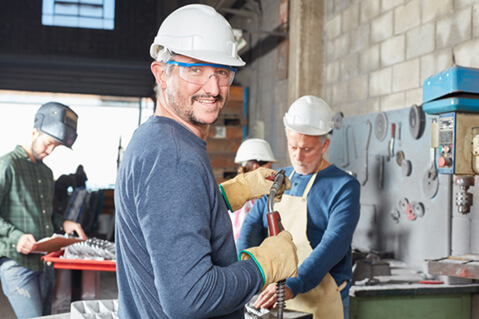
400,295
83,282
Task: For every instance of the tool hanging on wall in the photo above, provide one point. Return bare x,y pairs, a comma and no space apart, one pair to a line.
416,121
430,181
338,120
364,175
274,228
380,126
391,141
346,135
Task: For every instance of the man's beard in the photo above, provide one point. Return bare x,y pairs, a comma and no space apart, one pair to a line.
34,151
189,115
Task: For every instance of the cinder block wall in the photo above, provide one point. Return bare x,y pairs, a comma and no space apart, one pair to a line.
379,52
375,55
265,74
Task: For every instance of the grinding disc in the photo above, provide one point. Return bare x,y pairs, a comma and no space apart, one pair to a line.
395,215
399,157
430,185
381,126
418,209
338,120
406,167
403,203
416,121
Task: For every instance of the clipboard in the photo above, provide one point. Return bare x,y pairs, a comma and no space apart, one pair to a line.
55,243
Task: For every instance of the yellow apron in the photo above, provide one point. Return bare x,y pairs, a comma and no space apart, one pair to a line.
324,301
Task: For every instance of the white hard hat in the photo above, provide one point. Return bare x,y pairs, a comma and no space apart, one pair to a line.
254,149
309,115
199,32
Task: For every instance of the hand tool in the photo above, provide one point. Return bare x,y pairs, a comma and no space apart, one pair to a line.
274,228
366,149
391,141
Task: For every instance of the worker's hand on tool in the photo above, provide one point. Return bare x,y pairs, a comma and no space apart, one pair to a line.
255,184
26,244
275,257
267,299
70,227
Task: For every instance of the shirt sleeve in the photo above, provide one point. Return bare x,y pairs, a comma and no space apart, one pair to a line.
7,229
176,213
343,216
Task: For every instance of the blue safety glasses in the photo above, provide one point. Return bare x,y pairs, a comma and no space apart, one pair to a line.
200,73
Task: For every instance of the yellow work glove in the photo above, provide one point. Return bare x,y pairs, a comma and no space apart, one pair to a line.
276,258
242,188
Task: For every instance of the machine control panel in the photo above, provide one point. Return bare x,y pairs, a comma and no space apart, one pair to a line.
447,139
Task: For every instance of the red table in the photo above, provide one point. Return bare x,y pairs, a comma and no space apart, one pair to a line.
54,261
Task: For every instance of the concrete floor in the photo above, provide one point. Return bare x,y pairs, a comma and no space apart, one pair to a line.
107,290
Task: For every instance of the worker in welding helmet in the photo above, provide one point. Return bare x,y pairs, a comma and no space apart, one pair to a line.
26,207
321,210
252,154
176,256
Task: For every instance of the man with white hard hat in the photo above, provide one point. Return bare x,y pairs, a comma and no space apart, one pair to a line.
176,256
26,207
321,210
253,153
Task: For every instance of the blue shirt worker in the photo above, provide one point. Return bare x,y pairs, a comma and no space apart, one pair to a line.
321,210
26,207
176,256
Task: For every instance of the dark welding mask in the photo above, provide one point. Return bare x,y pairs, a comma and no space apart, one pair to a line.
57,120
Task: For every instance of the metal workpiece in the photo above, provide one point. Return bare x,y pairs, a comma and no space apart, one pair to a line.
463,266
254,313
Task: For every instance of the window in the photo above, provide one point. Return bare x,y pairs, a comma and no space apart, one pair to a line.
105,127
90,14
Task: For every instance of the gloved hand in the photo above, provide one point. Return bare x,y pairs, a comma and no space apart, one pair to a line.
276,258
242,188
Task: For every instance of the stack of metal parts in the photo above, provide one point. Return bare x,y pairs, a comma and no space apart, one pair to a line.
105,309
254,313
91,249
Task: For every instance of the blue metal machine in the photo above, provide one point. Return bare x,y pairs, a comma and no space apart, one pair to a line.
454,96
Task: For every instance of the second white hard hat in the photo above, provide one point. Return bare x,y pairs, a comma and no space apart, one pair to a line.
309,115
199,32
254,149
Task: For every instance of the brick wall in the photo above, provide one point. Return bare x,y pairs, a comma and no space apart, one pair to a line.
226,135
379,52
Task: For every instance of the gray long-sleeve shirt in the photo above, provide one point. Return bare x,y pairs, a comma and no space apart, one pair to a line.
176,256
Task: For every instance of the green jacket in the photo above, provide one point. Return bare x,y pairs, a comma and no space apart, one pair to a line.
26,205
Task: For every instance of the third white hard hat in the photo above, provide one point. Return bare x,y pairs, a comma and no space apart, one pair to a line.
199,32
309,115
254,149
